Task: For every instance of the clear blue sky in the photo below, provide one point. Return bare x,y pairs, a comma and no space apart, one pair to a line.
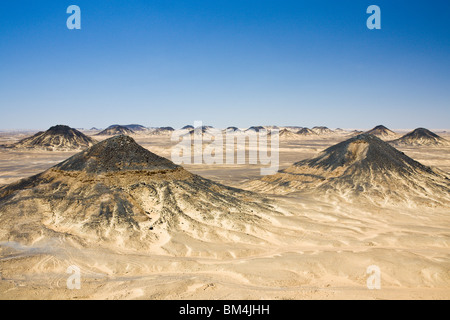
225,62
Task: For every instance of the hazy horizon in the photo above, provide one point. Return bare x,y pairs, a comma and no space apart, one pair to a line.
246,127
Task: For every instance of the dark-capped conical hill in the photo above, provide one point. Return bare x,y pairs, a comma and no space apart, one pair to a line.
364,167
382,132
57,138
306,132
115,130
117,193
321,130
364,152
421,137
120,153
286,134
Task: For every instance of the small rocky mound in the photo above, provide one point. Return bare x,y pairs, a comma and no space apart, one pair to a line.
57,138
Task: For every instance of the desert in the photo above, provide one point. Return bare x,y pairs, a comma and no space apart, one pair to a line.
235,151
139,226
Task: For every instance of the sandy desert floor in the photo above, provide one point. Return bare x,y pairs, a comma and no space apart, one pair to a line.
318,249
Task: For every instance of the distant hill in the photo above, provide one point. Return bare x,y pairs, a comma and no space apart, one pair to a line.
57,138
205,130
322,130
306,132
115,130
232,130
135,127
382,132
161,131
256,128
421,137
287,134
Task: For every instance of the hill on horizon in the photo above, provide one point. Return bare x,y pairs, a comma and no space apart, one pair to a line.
382,132
115,130
420,137
56,138
306,132
321,130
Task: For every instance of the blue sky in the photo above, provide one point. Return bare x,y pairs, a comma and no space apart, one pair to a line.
225,62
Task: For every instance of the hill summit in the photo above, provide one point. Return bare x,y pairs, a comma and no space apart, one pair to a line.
382,132
115,130
119,153
306,132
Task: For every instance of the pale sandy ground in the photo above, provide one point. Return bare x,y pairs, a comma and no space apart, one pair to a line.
316,250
